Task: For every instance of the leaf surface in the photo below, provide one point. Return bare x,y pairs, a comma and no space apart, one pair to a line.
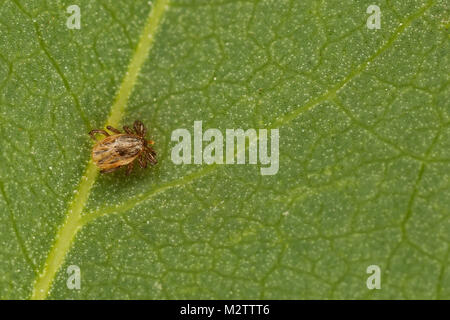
364,177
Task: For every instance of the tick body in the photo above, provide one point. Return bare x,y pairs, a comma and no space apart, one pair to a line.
122,149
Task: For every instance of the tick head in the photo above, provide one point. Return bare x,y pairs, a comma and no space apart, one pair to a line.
148,142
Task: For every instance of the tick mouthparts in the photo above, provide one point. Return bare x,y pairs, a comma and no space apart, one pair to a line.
151,142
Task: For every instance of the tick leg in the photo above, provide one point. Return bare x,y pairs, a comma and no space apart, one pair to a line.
142,162
92,132
150,157
153,152
109,170
113,129
129,168
140,128
128,130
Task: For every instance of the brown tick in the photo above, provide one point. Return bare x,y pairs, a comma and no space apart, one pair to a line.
121,149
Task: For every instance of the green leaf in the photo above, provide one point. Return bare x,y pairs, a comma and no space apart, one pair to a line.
364,122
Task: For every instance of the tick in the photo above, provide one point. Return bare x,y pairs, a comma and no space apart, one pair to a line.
122,149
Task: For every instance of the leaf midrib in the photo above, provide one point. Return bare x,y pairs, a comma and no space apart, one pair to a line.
73,222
